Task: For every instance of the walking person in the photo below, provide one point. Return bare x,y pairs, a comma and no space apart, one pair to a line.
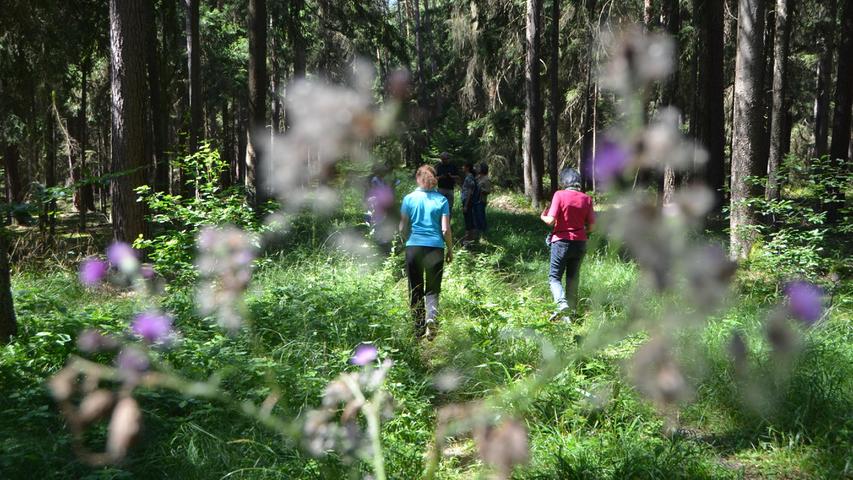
571,217
448,177
468,194
484,185
425,225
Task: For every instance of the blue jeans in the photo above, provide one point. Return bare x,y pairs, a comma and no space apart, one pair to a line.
566,257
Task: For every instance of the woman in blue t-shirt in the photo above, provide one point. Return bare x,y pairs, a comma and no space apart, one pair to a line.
425,225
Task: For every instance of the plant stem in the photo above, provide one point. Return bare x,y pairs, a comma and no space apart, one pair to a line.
371,413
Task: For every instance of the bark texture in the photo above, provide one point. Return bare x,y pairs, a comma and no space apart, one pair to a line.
127,81
777,117
255,186
839,150
554,87
532,136
747,123
711,110
193,74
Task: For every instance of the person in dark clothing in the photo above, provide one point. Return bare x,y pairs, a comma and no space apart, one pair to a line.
484,184
448,177
469,195
571,217
425,225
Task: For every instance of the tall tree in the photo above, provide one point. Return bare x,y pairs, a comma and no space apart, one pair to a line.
532,136
711,111
127,81
257,101
669,93
49,208
85,196
781,41
839,150
159,118
296,37
14,184
8,323
747,123
554,87
826,33
193,74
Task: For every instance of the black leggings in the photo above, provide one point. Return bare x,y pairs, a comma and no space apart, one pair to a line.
424,266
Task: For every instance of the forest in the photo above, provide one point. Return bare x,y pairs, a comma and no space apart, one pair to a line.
232,246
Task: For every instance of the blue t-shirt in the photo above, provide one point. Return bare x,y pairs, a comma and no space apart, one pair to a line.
425,209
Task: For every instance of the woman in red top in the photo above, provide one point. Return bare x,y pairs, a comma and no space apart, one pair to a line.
571,217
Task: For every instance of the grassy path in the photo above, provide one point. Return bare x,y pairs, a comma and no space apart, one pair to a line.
310,308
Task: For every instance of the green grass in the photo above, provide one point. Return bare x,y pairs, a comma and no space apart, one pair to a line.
310,307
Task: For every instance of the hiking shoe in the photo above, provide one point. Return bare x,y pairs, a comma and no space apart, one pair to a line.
562,313
430,329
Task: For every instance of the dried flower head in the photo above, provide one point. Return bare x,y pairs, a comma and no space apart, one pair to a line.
92,341
637,59
225,267
656,375
503,446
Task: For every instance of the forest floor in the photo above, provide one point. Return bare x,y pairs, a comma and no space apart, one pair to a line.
310,306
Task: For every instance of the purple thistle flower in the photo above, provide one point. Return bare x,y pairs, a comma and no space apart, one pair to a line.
123,257
152,326
132,360
93,271
805,301
147,271
364,354
610,161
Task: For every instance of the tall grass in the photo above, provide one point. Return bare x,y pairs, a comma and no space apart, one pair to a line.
310,306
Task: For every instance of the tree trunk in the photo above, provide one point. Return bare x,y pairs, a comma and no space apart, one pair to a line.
839,150
255,171
297,40
826,30
711,112
747,124
227,177
85,194
49,211
193,74
127,79
8,323
160,164
14,184
587,153
242,124
669,93
777,122
532,137
648,10
556,97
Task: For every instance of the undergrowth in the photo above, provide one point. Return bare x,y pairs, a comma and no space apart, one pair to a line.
310,305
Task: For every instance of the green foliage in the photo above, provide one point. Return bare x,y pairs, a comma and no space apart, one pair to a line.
310,306
798,240
180,218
